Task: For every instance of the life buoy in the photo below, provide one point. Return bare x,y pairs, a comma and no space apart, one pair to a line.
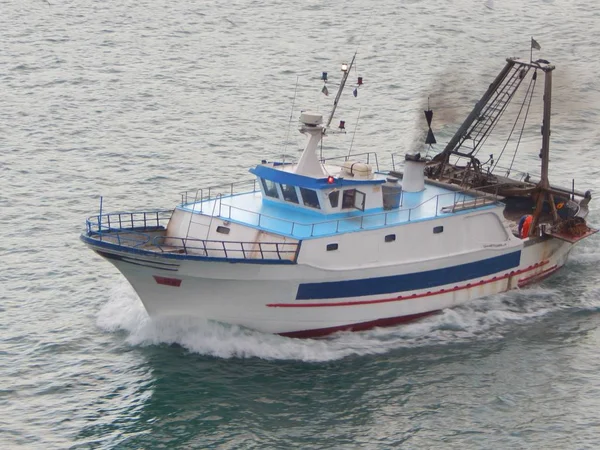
526,226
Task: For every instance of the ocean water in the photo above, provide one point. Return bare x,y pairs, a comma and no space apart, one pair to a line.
139,101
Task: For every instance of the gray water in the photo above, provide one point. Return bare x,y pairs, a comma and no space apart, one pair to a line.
138,101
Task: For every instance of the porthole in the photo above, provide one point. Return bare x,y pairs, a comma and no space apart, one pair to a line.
331,247
390,238
437,230
223,230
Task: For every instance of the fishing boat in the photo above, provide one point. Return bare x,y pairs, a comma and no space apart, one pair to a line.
316,246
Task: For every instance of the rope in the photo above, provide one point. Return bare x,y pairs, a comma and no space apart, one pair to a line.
522,128
287,135
354,134
527,93
510,84
518,82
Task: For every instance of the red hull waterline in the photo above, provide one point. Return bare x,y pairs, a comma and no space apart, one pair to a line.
392,321
387,322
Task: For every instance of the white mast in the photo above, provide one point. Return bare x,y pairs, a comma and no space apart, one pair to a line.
309,164
312,125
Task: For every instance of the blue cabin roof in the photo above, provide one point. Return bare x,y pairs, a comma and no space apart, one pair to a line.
294,179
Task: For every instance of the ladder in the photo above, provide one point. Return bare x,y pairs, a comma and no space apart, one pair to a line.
496,105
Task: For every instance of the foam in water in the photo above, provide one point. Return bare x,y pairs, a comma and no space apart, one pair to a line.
485,318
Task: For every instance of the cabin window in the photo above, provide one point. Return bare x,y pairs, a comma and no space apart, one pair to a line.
353,199
270,188
437,230
310,198
390,238
289,193
223,230
331,247
334,198
348,198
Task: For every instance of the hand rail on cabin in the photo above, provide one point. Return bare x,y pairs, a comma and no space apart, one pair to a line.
354,155
213,192
231,187
464,199
133,226
369,155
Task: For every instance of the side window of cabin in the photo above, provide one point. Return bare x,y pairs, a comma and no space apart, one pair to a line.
334,198
353,199
310,198
348,199
289,193
223,230
270,188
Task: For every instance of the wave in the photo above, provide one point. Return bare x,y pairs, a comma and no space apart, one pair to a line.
486,318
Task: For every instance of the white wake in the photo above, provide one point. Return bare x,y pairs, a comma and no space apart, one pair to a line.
487,318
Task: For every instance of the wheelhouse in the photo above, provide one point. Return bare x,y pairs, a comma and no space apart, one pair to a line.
329,195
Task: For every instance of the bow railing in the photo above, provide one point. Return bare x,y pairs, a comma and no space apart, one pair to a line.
145,230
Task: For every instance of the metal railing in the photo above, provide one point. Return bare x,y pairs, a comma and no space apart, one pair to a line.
228,249
138,230
212,192
520,174
250,185
370,156
132,221
460,201
132,227
129,229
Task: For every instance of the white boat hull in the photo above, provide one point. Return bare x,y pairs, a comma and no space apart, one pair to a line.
274,298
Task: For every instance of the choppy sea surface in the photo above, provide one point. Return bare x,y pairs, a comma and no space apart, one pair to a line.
138,101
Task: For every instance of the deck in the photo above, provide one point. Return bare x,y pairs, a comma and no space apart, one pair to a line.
250,209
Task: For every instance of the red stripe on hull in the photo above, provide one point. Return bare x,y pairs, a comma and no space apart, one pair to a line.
413,296
391,321
387,322
538,277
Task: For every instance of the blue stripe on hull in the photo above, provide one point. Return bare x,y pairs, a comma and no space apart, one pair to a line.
408,282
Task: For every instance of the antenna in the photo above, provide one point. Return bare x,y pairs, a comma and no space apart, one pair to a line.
346,69
354,133
287,135
100,216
